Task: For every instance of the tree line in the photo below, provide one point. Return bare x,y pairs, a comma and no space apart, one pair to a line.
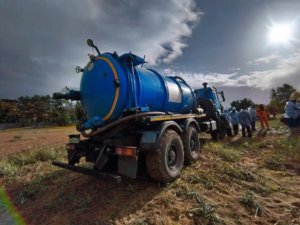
279,96
44,110
38,110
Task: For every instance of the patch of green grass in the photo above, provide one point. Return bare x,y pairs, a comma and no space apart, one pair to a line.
274,162
229,154
250,202
289,147
212,147
209,181
11,164
166,200
275,123
7,168
262,189
77,202
29,191
83,203
203,213
204,177
140,222
294,211
238,173
180,188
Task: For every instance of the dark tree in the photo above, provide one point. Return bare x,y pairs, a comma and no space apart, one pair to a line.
34,110
62,112
279,96
79,112
243,103
9,112
37,110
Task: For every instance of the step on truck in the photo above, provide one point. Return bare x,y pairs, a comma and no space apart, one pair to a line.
135,117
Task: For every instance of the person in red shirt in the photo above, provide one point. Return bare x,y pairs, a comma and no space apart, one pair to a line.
263,116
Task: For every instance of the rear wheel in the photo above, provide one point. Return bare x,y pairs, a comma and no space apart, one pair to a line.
191,144
165,165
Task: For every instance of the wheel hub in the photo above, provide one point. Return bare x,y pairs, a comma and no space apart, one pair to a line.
172,156
192,144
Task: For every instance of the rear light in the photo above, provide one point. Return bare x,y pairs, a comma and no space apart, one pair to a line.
126,151
71,147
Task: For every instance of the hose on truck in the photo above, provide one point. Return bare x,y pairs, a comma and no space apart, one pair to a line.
118,122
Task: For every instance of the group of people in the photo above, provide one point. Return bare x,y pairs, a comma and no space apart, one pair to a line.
247,117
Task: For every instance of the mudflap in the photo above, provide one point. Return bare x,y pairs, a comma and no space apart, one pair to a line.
128,166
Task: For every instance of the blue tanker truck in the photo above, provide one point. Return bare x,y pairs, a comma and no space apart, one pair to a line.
136,117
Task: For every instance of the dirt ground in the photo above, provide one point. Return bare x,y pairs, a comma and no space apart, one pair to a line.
20,139
237,181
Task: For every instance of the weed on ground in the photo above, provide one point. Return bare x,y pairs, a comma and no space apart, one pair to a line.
250,202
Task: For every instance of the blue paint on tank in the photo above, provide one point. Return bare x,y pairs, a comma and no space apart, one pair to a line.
112,85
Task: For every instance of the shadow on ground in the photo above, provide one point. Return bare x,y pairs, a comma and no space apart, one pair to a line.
70,198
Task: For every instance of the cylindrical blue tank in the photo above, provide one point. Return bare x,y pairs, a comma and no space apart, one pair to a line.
111,85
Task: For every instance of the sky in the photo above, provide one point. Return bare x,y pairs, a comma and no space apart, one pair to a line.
244,47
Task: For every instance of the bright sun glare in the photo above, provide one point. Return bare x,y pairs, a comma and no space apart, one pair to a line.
280,33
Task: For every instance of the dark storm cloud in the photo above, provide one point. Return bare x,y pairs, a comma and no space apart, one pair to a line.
41,42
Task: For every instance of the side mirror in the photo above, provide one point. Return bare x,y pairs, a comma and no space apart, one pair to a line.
222,95
90,43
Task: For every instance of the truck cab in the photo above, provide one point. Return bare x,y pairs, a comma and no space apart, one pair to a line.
212,94
208,98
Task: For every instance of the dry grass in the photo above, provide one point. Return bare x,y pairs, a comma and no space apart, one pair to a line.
250,202
240,182
11,164
203,213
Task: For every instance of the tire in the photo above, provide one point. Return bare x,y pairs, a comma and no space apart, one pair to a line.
191,145
165,165
221,131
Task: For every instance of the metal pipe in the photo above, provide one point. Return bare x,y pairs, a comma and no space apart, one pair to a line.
119,121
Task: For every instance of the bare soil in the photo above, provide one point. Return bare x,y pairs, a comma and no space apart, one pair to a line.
214,190
20,139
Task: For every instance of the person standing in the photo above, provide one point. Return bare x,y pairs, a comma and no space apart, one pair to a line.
263,116
229,124
252,113
234,117
245,121
291,112
298,111
296,96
